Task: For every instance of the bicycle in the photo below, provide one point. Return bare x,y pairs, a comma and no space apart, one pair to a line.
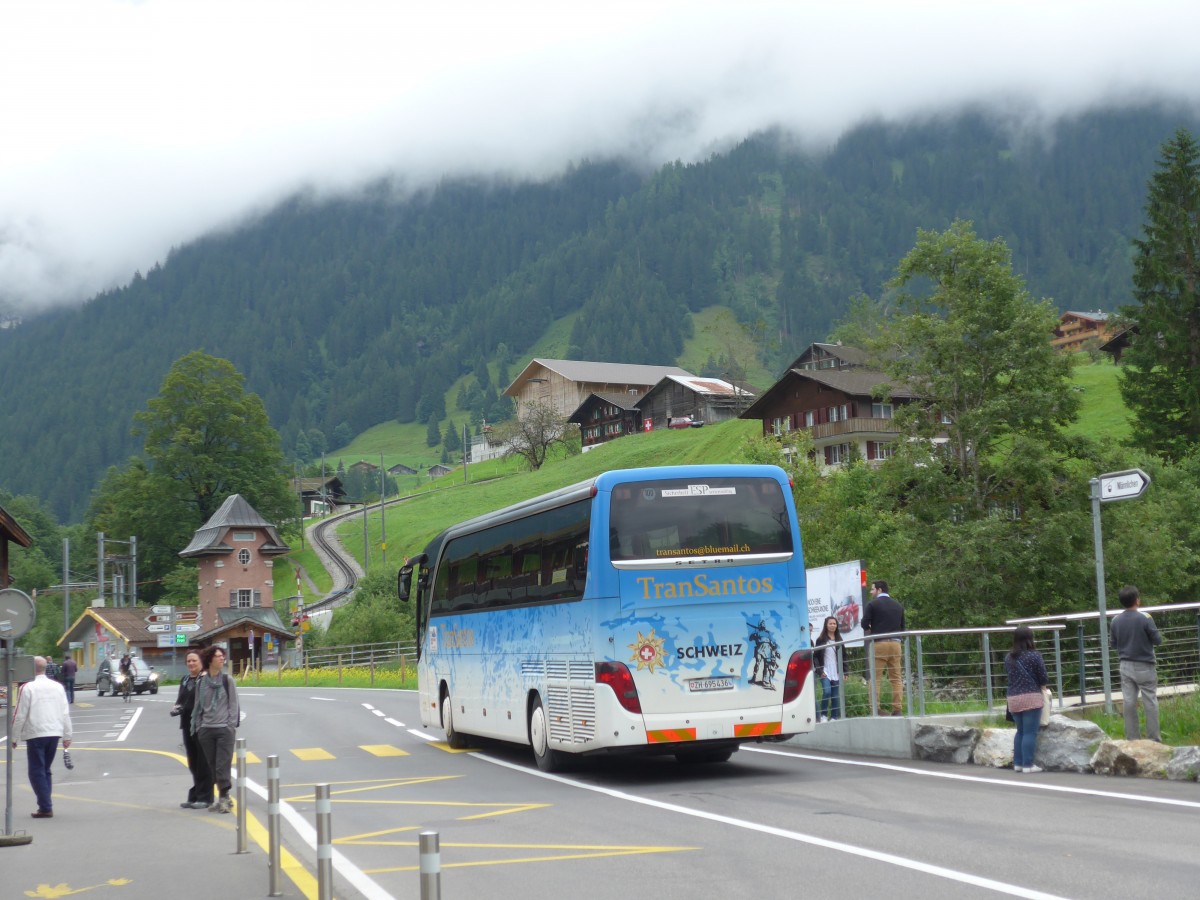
126,687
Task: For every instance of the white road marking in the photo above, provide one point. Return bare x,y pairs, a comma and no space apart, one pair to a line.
422,735
132,721
379,712
1028,783
352,873
394,722
891,859
367,706
325,699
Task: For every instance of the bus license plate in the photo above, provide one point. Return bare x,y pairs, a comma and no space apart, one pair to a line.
710,684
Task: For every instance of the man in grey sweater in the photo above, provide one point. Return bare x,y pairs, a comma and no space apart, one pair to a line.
1134,636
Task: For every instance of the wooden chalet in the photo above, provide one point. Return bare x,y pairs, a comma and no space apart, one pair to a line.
10,532
1077,328
437,470
603,417
319,495
838,409
565,383
401,469
696,399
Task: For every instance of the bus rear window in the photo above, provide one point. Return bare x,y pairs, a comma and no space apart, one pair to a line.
676,518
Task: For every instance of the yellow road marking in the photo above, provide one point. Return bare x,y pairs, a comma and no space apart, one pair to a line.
251,757
382,750
594,853
304,881
312,753
442,745
65,890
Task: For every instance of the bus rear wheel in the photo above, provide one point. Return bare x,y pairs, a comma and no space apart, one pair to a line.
455,740
547,758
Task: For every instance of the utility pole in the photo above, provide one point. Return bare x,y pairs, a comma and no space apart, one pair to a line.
466,454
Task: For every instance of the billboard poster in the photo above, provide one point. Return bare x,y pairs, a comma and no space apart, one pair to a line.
837,591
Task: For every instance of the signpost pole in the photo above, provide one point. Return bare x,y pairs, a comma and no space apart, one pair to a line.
1098,540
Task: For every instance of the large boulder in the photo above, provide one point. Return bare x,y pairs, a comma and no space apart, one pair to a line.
945,743
1067,745
1184,764
995,748
1142,759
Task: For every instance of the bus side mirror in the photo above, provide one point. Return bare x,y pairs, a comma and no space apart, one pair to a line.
404,576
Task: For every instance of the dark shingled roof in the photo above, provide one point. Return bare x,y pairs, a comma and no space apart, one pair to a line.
235,512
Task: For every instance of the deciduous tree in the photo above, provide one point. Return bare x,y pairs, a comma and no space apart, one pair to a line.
973,345
535,431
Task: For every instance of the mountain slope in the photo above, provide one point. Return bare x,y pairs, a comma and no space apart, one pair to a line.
346,313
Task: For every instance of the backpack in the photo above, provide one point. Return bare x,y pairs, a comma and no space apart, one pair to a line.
53,670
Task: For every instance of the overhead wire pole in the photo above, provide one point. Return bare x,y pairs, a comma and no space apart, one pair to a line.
382,517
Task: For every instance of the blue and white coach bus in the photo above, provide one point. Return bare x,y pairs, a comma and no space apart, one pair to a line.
656,610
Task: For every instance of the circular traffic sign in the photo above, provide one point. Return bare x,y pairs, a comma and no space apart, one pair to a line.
16,614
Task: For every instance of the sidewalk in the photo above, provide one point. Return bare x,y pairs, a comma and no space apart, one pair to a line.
126,830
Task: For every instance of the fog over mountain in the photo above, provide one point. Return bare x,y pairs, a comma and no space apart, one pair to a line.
132,127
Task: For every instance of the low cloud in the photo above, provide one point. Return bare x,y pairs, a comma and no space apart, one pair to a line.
132,127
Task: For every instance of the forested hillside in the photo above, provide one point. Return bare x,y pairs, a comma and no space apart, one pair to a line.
345,313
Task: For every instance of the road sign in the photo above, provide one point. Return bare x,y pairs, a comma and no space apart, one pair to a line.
187,615
159,618
161,610
166,640
158,628
181,640
190,626
1123,485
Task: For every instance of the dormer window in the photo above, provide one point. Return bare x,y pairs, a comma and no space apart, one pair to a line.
243,535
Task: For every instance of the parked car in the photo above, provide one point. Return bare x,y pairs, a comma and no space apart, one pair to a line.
109,679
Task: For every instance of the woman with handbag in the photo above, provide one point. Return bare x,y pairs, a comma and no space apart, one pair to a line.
1026,677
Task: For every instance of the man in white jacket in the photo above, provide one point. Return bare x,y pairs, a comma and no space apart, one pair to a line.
42,717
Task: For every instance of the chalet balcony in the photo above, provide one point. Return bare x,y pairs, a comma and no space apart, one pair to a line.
862,427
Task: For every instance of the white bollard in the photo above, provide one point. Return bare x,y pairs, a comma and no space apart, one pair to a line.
324,843
431,866
273,866
240,744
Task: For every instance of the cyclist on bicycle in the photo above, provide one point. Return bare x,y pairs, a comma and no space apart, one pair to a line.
126,669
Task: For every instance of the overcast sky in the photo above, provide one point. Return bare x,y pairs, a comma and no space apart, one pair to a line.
129,127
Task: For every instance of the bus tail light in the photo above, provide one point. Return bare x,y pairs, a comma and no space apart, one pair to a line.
616,676
799,667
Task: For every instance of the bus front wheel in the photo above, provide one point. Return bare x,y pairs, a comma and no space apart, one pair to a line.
547,758
455,740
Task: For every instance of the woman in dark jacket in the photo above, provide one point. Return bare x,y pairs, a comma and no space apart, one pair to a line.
1026,677
201,791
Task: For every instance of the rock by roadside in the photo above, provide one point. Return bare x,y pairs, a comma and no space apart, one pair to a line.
1064,745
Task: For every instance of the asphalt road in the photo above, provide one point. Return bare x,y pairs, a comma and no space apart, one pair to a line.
772,822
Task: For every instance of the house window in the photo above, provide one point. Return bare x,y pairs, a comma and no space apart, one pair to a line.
243,535
244,556
835,454
810,418
883,449
245,599
781,425
881,410
838,413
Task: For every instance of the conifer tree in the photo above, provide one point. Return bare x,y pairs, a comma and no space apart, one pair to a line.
1161,377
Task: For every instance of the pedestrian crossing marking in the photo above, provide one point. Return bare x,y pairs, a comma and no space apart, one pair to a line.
309,754
382,750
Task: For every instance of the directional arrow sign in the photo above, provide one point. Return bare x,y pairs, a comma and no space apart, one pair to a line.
156,628
159,618
188,615
1123,485
161,610
195,626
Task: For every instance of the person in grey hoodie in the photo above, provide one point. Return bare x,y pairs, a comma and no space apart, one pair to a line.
1134,637
215,717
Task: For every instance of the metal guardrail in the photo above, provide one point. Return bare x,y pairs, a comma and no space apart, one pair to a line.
962,670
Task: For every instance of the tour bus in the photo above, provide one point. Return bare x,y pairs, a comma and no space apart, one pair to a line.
656,610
